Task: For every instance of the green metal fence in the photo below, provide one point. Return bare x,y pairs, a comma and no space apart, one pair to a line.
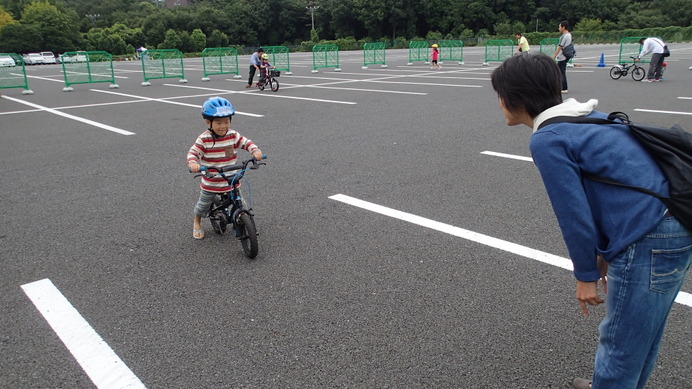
418,51
325,56
163,63
549,45
87,67
279,57
452,51
498,50
13,73
630,47
219,60
374,54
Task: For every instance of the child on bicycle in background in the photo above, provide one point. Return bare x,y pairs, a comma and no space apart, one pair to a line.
215,147
264,67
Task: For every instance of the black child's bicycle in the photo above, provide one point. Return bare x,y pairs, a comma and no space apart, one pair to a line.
270,80
230,209
621,70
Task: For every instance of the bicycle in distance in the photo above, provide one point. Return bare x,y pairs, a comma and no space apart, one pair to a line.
232,209
621,70
269,80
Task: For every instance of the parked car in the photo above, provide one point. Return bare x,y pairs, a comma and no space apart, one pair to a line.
7,61
48,57
79,56
33,59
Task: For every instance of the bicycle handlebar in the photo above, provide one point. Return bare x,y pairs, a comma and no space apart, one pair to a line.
207,170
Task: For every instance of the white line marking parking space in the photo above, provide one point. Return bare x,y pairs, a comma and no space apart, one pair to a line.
97,359
564,263
67,115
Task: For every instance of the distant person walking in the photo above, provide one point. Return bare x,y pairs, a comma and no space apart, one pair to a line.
522,44
255,63
656,47
560,55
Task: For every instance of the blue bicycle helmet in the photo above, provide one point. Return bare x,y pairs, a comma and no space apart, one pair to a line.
217,107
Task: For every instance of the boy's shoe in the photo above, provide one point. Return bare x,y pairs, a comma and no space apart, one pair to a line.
647,80
657,79
580,383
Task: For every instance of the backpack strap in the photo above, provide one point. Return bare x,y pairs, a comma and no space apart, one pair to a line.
619,118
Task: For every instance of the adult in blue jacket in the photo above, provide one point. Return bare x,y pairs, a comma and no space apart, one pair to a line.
255,63
626,239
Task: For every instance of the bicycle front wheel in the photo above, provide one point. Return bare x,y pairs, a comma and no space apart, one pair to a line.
247,233
615,72
274,85
638,74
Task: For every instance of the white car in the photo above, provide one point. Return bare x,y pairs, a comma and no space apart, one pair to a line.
33,59
48,57
79,56
6,61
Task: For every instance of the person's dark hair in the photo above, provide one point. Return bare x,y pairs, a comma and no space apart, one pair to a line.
530,82
566,26
517,33
260,50
641,41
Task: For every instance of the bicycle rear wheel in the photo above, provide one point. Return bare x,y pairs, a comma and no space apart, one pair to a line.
247,233
274,85
638,73
615,72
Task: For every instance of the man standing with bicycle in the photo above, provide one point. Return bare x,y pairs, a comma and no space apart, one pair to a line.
657,48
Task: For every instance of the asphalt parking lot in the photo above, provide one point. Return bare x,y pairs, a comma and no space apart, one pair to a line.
406,240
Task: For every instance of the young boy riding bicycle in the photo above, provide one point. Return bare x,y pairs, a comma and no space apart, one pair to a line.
215,147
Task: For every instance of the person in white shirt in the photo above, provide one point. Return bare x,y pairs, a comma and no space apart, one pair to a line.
655,46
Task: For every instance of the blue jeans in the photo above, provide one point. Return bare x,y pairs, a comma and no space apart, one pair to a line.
643,282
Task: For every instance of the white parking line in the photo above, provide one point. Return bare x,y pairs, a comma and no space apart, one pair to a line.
253,93
169,102
97,359
564,263
67,115
510,156
666,112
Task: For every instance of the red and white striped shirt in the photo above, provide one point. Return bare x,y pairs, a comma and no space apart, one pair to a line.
218,152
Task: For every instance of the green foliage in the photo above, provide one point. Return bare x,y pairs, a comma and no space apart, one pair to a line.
6,18
217,39
171,41
20,38
198,40
61,24
58,28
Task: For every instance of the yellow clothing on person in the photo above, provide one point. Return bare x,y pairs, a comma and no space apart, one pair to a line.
523,44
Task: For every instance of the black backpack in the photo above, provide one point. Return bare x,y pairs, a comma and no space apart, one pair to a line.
671,148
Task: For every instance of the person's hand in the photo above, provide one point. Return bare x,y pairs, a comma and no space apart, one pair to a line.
587,292
636,60
257,155
194,167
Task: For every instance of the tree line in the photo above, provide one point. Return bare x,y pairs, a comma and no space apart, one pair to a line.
120,26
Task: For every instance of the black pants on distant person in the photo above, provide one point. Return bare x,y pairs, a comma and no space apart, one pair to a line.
563,69
655,66
252,74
